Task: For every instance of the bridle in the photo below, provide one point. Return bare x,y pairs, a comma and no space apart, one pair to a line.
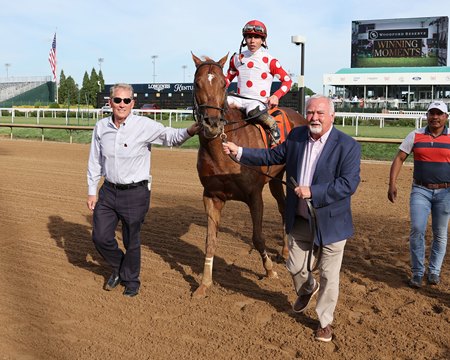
198,109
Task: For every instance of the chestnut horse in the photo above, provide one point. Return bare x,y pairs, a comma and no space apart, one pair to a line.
221,177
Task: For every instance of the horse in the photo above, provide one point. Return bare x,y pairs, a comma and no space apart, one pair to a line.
224,179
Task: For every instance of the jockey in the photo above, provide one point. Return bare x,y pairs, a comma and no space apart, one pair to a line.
255,69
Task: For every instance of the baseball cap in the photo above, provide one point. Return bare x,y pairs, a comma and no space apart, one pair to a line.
438,105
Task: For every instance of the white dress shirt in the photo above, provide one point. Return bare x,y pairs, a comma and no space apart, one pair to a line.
122,155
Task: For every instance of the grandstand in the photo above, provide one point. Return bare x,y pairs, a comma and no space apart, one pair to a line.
26,90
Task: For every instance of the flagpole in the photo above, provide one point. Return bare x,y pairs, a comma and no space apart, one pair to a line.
56,74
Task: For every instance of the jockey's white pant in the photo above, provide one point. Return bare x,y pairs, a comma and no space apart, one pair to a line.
245,104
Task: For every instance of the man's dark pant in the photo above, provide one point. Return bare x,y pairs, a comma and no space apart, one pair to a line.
130,207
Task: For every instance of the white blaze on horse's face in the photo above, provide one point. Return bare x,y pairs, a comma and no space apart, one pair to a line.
210,78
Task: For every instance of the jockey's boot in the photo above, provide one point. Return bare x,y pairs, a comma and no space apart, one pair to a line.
268,122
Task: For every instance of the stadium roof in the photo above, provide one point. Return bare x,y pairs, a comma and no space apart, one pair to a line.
437,76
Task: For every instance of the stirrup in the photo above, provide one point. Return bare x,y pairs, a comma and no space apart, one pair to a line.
275,134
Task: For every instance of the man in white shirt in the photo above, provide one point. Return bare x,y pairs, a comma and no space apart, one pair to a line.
120,152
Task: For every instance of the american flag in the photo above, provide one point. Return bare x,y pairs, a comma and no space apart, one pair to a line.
52,57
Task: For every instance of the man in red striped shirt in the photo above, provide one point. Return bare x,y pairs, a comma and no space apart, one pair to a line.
430,191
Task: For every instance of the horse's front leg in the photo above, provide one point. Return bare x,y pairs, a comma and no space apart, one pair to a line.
256,210
213,208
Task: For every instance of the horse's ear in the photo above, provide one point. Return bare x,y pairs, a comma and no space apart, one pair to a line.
223,60
197,61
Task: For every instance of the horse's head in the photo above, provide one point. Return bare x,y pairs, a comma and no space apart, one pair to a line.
210,92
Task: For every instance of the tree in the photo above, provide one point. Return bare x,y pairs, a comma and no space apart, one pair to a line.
70,94
102,81
93,87
72,90
62,89
84,92
308,91
67,90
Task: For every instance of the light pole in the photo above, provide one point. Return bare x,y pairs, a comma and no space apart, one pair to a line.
184,67
154,57
301,40
100,61
7,65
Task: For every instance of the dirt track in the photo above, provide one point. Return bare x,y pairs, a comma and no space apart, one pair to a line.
52,305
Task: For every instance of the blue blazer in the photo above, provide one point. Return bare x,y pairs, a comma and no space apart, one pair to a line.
334,181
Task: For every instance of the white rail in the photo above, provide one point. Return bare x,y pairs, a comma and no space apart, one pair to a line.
174,115
418,116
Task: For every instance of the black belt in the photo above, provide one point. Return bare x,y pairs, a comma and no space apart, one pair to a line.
433,186
126,186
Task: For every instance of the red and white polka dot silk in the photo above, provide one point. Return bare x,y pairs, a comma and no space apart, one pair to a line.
255,73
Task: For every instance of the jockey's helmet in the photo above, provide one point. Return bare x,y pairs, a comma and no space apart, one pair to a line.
255,27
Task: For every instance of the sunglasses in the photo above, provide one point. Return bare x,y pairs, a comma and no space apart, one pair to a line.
256,28
118,100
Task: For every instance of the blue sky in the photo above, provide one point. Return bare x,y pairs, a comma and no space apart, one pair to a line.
127,33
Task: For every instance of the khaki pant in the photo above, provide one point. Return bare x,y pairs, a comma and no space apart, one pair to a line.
329,268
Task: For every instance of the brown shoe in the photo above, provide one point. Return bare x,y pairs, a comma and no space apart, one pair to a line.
324,334
303,301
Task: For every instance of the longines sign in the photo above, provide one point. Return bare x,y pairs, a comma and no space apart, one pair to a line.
171,87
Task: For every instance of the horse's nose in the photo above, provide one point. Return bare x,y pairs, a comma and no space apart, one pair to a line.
214,121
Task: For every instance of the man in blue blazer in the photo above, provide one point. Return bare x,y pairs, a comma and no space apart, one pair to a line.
326,164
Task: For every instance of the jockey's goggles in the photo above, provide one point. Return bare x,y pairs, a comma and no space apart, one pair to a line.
253,28
118,100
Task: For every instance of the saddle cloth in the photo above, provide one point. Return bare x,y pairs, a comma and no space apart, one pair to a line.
283,125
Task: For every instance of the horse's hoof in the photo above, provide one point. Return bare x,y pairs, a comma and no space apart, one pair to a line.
200,292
